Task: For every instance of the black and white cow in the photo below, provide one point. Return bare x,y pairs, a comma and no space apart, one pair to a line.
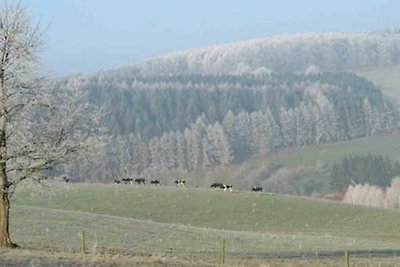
65,179
140,181
227,187
257,189
180,183
217,185
127,180
116,181
155,182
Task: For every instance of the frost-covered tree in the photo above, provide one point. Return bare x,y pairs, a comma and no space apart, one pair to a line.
288,126
369,195
393,194
274,135
40,128
219,151
374,196
181,153
155,152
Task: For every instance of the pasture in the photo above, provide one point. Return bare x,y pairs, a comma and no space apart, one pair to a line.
387,78
190,223
310,156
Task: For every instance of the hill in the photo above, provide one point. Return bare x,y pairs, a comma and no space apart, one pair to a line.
190,223
203,122
191,120
288,53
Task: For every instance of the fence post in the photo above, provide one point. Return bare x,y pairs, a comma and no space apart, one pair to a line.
223,251
83,246
347,257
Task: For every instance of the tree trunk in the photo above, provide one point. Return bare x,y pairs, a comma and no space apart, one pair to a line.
5,240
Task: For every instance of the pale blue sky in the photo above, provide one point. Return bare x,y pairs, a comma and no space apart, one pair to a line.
90,35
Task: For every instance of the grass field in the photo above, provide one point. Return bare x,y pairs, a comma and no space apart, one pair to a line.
50,259
387,78
190,223
216,209
310,156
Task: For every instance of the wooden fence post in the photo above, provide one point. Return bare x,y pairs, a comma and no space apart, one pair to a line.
223,251
83,245
347,257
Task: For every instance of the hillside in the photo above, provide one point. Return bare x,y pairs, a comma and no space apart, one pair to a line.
240,211
299,171
288,53
387,78
203,122
194,123
172,218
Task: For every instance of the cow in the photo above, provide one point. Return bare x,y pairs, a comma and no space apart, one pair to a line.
127,180
155,182
180,183
257,189
116,181
65,179
227,187
217,185
140,181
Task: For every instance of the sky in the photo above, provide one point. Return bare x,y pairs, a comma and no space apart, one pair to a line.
88,35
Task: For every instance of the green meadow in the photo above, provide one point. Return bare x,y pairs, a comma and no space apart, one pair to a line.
190,223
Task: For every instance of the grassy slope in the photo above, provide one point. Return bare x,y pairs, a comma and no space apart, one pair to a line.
251,222
56,230
387,78
308,157
387,145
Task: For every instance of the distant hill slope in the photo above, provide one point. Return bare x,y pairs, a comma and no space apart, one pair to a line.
387,78
287,53
210,107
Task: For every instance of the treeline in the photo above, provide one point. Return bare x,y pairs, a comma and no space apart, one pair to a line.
374,170
374,196
151,106
290,53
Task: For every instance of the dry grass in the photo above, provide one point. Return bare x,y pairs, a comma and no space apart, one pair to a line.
21,257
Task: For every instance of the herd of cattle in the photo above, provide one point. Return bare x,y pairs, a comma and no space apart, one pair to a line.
180,183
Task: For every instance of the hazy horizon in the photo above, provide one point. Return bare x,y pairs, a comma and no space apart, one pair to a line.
85,36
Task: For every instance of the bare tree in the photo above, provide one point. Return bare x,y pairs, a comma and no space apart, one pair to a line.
41,126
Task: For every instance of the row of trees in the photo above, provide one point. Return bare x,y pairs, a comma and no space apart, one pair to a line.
374,196
371,169
154,105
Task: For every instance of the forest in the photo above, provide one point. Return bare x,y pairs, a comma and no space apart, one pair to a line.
191,122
